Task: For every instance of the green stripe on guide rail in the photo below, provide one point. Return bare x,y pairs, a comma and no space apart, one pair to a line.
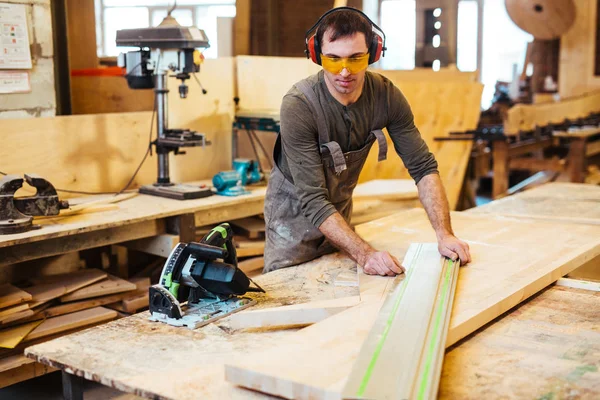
388,324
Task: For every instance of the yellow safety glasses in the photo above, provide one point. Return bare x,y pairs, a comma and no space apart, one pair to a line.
335,65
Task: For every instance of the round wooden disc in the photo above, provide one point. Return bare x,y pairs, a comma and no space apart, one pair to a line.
544,19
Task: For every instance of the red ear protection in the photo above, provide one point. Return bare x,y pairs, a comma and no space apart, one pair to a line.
376,48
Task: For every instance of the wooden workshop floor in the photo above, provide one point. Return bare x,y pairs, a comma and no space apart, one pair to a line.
49,387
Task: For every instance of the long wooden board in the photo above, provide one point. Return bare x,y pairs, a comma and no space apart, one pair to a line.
294,315
11,295
73,280
386,189
45,292
564,202
111,285
546,349
74,320
403,354
506,269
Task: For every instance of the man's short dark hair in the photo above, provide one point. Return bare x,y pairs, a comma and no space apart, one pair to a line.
344,23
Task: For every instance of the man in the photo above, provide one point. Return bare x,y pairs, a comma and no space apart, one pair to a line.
329,121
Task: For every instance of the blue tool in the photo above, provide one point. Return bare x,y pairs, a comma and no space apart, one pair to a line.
232,183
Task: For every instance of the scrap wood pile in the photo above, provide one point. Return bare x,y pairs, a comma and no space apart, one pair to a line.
51,306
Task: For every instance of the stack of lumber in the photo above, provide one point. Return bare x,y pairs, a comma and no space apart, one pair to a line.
55,305
250,244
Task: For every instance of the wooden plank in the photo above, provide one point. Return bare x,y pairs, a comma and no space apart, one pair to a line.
249,248
22,315
547,348
23,373
11,295
411,327
85,238
252,227
579,284
160,245
74,280
111,285
68,308
131,304
67,322
13,309
252,266
564,202
428,75
386,189
294,315
43,293
89,95
272,77
11,337
323,342
9,363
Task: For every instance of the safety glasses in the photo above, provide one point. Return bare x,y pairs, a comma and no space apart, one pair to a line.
335,65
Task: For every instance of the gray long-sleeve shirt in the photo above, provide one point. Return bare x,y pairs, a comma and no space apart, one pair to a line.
300,159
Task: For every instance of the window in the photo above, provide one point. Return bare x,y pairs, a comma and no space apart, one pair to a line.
112,15
504,45
399,22
466,46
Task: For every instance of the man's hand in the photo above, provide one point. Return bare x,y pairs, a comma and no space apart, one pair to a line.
454,248
382,263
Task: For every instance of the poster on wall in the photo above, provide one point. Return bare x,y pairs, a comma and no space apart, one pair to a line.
14,37
14,82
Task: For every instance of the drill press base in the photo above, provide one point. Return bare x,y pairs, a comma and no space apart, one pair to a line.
177,191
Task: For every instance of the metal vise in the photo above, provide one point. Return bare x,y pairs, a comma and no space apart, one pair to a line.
231,183
16,214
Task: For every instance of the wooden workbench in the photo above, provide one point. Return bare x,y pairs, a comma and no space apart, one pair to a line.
565,202
159,361
142,216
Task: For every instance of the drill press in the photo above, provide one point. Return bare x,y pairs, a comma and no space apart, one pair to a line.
166,49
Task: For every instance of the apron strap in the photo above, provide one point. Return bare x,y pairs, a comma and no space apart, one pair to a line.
314,105
382,142
339,162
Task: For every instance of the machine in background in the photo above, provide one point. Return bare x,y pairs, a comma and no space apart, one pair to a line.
233,182
167,48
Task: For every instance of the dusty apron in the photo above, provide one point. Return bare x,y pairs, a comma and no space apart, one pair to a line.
291,238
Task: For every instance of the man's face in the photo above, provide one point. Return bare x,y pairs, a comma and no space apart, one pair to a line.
345,82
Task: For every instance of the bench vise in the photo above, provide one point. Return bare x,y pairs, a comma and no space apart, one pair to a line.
232,183
16,214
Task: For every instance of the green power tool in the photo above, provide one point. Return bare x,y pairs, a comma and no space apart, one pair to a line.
201,282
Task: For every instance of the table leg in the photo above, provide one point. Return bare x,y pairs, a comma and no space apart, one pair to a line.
72,386
500,155
183,225
577,159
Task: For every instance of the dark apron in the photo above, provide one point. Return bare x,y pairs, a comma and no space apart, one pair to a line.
291,238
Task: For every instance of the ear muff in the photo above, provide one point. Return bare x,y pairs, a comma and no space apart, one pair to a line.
376,49
313,51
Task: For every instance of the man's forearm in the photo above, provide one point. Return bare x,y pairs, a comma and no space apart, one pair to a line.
434,200
338,232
